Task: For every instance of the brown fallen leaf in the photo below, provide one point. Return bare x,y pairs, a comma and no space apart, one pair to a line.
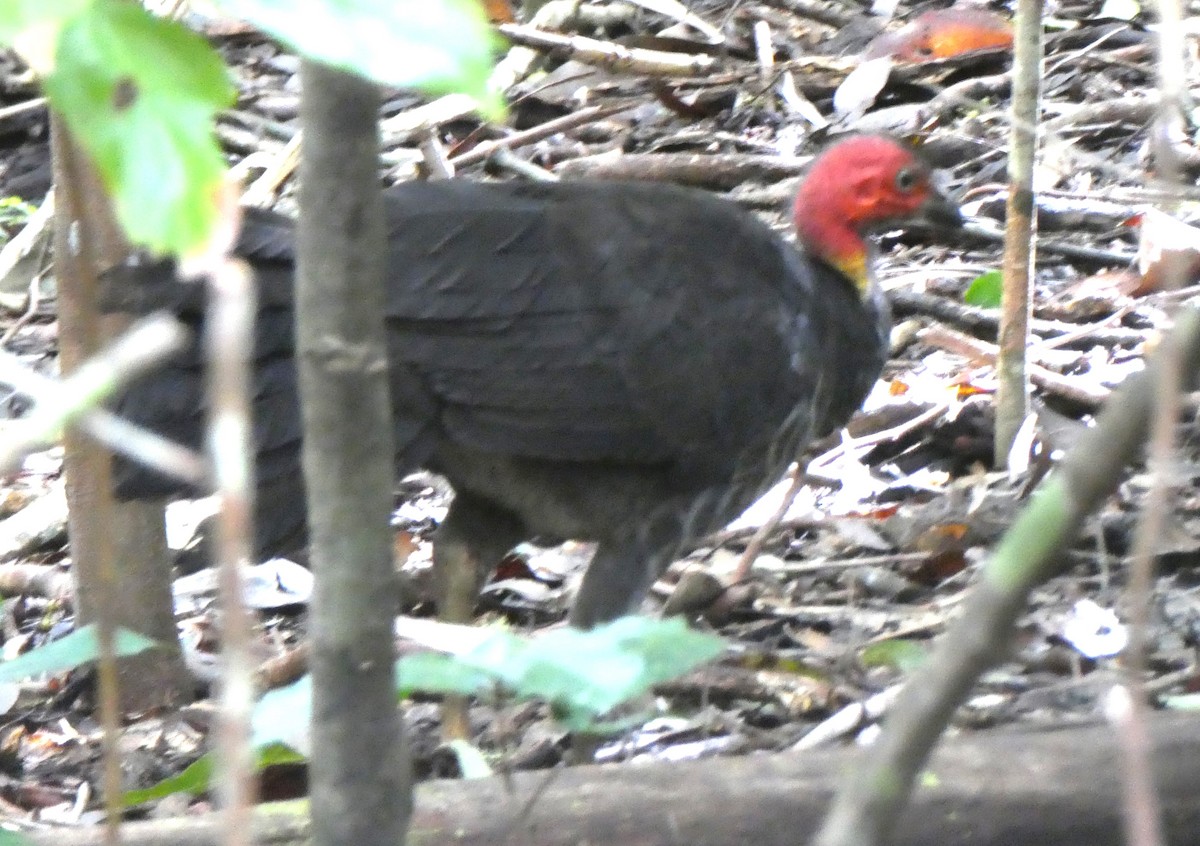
404,544
499,11
1095,297
943,34
1168,252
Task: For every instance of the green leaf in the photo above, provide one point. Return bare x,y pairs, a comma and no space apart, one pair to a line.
587,674
15,210
433,672
282,716
436,45
274,754
899,654
140,94
985,290
583,675
70,652
195,779
19,17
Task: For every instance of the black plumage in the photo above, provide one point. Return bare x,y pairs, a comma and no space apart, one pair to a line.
627,363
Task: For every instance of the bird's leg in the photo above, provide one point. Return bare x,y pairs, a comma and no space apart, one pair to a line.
624,569
455,574
614,585
279,525
619,577
470,542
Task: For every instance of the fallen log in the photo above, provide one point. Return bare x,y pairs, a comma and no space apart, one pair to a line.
1056,785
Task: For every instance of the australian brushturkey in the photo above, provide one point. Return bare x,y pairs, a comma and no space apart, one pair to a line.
627,363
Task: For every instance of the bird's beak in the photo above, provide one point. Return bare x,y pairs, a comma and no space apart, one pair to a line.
939,211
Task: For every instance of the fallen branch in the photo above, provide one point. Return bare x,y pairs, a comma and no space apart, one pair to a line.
991,789
1075,390
718,171
39,523
985,322
482,151
53,583
610,56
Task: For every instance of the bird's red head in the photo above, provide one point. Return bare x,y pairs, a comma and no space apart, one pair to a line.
859,185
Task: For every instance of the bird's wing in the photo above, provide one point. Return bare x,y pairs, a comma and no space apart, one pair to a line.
592,322
172,401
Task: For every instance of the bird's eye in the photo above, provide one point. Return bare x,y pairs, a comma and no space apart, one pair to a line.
907,179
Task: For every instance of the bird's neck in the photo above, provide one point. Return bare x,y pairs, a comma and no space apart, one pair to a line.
856,267
851,257
829,237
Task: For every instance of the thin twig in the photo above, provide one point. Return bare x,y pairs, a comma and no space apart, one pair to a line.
886,436
37,104
481,152
59,404
21,244
230,344
795,483
609,55
1089,396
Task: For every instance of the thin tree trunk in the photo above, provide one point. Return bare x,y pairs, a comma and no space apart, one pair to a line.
359,770
118,551
1012,397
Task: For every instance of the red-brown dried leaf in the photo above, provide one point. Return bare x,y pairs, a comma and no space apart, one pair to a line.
1168,252
943,34
499,11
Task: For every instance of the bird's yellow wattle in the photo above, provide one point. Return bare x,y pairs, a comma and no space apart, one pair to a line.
854,267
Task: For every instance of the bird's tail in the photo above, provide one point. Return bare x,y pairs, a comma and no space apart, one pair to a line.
172,402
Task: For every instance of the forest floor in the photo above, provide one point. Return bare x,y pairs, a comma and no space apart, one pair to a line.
884,525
